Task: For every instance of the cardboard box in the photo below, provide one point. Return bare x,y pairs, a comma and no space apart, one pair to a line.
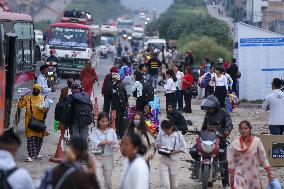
274,148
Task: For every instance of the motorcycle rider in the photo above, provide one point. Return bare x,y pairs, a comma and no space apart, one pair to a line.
221,121
53,58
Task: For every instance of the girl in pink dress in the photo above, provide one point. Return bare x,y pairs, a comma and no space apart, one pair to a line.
244,157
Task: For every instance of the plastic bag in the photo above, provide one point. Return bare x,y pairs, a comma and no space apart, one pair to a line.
275,184
55,125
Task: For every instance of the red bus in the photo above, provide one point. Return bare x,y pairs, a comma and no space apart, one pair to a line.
16,64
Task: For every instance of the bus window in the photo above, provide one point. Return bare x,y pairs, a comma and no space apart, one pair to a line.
27,64
19,56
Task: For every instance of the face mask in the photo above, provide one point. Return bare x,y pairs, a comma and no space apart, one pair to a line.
136,122
36,92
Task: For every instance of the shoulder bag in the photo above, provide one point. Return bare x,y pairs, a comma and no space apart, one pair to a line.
35,124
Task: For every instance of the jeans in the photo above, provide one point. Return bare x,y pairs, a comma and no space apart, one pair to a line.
120,122
170,99
179,95
276,129
81,131
153,79
187,99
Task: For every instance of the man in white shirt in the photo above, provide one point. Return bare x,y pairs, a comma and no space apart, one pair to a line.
42,80
274,103
16,178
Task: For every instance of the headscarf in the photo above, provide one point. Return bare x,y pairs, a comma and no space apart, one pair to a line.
37,86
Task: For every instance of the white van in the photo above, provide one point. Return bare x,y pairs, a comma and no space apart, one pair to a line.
156,43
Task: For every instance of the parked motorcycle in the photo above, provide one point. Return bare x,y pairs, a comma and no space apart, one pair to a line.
207,169
52,76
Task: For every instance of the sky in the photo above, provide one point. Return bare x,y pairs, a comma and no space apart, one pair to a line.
161,5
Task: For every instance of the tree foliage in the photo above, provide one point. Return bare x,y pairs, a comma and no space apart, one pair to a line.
187,17
203,46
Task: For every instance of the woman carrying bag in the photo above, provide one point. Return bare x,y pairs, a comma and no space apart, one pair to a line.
187,82
35,117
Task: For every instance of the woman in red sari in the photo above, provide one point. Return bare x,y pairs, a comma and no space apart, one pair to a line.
88,78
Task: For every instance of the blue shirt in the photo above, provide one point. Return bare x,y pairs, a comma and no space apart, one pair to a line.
42,81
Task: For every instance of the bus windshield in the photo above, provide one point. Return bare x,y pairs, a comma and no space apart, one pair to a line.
125,24
71,37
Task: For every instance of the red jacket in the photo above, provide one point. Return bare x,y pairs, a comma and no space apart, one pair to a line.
189,81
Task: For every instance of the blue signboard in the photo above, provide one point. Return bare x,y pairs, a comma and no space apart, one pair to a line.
248,42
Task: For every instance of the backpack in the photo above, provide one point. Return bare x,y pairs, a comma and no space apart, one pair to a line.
147,92
46,182
63,110
4,175
83,108
109,85
205,80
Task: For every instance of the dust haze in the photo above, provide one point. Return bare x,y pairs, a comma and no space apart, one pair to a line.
160,5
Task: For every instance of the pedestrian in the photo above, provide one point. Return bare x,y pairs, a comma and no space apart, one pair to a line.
119,104
143,70
107,90
119,50
233,71
207,65
170,87
128,82
135,170
221,86
179,91
209,89
33,104
42,80
148,114
188,60
187,82
154,64
15,177
88,78
244,156
126,52
137,91
274,103
71,173
66,90
82,112
201,91
126,67
104,144
112,51
138,126
177,118
170,143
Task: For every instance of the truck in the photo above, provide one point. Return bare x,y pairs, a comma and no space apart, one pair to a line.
74,41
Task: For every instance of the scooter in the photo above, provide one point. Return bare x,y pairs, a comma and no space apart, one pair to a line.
208,168
52,76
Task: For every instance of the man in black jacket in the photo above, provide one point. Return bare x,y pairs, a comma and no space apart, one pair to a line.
178,119
221,121
233,71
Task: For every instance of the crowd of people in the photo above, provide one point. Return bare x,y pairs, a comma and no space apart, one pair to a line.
113,129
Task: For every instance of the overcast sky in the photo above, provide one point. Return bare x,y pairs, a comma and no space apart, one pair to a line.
161,5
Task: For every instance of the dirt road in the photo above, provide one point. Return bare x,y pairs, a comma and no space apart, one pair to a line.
36,168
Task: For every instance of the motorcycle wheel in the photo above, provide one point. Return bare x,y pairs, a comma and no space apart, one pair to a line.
205,176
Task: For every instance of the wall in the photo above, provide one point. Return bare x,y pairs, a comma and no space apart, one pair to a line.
260,59
253,8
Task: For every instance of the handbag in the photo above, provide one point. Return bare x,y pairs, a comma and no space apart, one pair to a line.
100,149
35,124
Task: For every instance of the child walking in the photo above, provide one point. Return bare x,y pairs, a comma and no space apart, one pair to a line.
104,143
170,143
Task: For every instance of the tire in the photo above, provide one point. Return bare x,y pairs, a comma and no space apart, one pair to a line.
205,176
210,184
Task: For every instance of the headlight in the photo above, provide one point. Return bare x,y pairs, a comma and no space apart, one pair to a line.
207,146
124,36
129,38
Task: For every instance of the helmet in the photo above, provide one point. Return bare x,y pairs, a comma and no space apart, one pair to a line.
220,60
210,102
